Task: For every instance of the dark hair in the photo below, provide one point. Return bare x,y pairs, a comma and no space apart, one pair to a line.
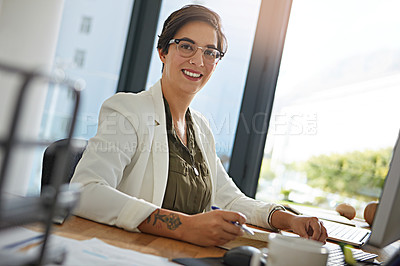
187,14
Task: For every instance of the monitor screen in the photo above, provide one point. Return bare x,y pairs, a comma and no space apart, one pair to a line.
386,224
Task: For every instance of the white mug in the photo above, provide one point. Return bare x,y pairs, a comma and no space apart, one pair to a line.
286,250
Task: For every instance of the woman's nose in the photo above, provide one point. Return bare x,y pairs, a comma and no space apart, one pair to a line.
197,58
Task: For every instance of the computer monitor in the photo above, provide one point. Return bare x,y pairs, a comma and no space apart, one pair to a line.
386,224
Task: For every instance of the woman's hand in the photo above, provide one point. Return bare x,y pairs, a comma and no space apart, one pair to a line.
309,227
205,229
213,228
304,226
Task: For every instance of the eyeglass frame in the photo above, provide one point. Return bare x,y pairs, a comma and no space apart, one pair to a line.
177,41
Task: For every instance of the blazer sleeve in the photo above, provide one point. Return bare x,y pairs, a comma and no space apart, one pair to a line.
101,169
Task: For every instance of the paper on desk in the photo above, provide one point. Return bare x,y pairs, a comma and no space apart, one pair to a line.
241,241
18,237
258,240
97,252
260,235
320,213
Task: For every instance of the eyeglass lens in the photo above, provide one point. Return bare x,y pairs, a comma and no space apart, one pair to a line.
187,49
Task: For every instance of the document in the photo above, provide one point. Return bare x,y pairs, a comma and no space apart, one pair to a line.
258,240
87,252
96,252
259,235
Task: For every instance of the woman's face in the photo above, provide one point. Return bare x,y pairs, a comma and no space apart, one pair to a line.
189,75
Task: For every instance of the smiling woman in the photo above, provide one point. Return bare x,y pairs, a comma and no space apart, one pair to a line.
169,178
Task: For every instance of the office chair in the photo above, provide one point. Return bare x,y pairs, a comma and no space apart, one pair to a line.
52,154
77,148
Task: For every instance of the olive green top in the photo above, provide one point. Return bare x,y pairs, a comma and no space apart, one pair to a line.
189,185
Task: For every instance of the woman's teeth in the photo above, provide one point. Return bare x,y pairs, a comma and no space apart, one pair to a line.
194,75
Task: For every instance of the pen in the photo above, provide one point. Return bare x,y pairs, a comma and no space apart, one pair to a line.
242,226
22,242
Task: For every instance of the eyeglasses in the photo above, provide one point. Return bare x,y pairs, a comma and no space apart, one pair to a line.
187,49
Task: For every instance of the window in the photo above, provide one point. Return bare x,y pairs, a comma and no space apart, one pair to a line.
221,98
99,54
334,120
86,24
94,60
79,58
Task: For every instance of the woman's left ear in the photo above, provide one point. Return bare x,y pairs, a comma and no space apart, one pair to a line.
161,55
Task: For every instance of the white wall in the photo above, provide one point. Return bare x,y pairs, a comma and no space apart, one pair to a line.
28,37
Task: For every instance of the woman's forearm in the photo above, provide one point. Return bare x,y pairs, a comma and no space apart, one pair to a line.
166,223
205,229
281,220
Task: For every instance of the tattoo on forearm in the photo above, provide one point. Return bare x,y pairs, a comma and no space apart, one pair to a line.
172,220
158,216
148,219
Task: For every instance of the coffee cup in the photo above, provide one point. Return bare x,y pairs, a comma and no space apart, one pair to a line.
288,250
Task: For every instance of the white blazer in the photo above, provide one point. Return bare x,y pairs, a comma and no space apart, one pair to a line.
124,169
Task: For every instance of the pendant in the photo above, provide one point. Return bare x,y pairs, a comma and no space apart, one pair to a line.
195,171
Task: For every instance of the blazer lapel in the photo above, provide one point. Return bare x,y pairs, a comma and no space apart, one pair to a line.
205,147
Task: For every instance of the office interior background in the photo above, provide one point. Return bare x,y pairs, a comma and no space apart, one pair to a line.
304,106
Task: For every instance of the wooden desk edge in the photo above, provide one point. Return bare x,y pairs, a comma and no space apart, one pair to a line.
81,229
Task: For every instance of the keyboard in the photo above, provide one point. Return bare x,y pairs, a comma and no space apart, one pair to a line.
336,257
347,234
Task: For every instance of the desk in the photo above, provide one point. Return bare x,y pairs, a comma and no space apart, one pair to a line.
82,229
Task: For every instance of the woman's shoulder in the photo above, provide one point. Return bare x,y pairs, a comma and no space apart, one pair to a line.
129,102
128,97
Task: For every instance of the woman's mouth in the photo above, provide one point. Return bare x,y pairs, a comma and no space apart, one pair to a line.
191,75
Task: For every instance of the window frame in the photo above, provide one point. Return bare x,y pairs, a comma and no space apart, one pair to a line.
259,92
139,46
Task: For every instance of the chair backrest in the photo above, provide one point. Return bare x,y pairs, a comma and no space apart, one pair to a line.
77,148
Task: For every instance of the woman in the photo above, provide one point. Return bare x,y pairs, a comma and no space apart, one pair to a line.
152,165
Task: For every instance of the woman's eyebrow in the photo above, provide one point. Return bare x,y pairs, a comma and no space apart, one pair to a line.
187,39
191,41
